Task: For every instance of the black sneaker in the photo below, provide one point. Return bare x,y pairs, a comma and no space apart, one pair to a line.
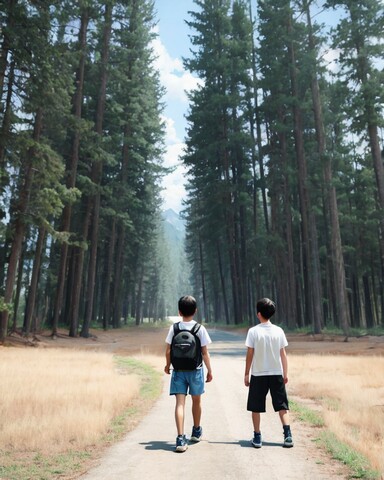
288,442
256,440
181,443
197,433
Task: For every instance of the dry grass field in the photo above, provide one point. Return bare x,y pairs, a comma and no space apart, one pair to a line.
78,379
349,391
55,398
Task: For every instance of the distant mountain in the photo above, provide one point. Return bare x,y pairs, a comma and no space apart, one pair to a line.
174,227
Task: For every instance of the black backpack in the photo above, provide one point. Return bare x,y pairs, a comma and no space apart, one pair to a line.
186,348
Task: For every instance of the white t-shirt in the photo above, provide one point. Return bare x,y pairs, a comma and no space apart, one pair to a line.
203,335
267,340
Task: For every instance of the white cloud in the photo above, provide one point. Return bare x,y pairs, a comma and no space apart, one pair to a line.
170,131
173,76
331,57
173,184
177,81
174,192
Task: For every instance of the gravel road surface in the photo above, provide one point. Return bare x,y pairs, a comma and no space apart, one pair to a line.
147,453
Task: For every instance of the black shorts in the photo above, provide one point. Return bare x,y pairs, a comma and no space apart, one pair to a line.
258,389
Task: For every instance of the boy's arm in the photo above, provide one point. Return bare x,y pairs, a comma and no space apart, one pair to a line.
248,363
284,362
168,359
207,362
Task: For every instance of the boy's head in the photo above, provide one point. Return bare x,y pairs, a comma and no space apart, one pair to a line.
266,308
187,306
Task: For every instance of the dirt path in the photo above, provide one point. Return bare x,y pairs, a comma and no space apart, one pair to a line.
225,453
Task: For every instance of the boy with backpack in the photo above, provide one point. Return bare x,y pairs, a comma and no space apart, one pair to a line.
186,351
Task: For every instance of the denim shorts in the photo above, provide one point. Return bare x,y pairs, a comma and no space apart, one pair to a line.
185,382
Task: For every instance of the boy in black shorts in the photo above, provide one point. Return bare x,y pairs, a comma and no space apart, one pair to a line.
267,361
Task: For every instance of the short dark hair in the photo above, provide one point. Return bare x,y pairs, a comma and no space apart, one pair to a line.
266,307
187,306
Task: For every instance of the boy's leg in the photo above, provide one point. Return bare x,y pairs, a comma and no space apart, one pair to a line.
280,404
196,389
196,410
256,440
179,412
284,417
256,421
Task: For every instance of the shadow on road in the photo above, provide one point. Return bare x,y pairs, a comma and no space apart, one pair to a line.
247,443
158,445
170,447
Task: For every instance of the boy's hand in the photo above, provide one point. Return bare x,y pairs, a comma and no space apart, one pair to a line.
246,380
209,377
167,369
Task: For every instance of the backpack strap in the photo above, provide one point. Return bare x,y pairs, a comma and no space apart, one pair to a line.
196,328
176,328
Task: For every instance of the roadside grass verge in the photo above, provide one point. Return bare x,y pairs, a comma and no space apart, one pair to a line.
349,392
357,464
68,406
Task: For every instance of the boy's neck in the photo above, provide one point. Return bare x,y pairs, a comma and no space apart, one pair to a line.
262,319
187,319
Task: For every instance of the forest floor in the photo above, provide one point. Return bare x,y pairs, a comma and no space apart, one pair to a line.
150,441
151,340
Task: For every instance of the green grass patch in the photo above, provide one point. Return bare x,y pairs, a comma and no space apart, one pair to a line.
150,378
306,415
356,462
150,390
358,465
42,467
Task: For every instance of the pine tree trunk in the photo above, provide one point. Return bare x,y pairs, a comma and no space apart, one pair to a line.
18,288
311,271
6,43
97,169
72,170
106,308
139,299
118,276
338,269
19,225
31,300
290,280
371,115
6,125
223,288
202,275
4,180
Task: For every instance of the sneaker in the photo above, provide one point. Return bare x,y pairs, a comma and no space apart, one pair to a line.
181,443
256,440
288,442
197,433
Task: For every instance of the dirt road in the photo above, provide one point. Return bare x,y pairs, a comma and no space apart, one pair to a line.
225,453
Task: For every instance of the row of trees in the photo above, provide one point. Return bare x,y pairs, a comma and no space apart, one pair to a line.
286,177
81,139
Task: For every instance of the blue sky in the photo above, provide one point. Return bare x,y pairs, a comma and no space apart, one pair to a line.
171,46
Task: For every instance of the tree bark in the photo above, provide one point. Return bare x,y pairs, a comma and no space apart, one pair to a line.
71,170
19,225
96,175
31,300
106,307
338,269
309,234
6,43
